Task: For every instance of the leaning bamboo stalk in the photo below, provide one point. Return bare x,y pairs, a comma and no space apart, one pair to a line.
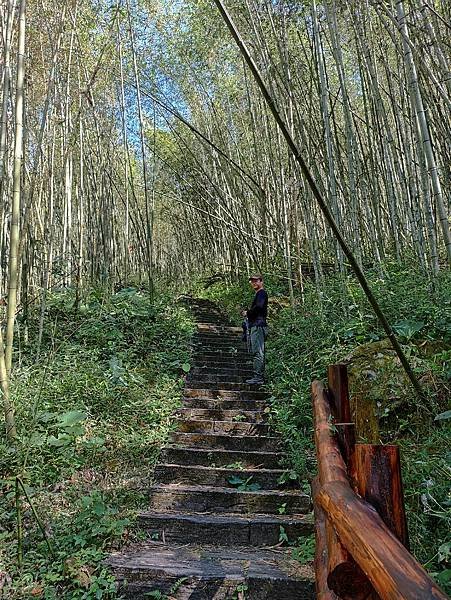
392,570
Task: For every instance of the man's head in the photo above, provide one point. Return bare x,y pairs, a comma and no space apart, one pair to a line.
256,282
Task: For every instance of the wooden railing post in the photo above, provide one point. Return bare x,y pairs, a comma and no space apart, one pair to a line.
338,394
376,474
337,383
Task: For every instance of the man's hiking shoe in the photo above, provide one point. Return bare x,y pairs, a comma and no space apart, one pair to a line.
255,381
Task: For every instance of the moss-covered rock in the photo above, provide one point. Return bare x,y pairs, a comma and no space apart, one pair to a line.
378,386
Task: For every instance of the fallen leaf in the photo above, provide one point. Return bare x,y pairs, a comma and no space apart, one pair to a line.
84,577
37,591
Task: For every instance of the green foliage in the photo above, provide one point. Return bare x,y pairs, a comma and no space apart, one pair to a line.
238,466
244,485
159,594
92,416
289,476
283,537
304,549
240,592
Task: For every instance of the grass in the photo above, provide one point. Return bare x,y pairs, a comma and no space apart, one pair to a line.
92,416
337,325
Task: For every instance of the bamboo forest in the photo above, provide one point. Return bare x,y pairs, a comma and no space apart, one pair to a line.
225,299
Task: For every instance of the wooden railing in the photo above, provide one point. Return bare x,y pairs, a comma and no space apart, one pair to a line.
360,522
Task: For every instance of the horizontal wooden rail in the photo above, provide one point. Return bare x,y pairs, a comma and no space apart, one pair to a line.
358,556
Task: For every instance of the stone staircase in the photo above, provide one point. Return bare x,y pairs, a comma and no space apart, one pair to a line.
217,508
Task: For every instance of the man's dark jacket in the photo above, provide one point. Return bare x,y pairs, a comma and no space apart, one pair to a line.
258,311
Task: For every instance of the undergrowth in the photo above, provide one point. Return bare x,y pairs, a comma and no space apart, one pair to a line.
92,415
337,324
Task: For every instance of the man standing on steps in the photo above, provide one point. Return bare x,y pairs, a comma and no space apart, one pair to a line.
258,328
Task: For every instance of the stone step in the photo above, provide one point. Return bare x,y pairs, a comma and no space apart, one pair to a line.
223,393
215,346
212,499
225,368
267,479
223,385
213,323
205,346
212,348
234,530
224,403
218,349
206,573
238,428
220,352
221,458
221,360
216,339
212,317
215,328
234,360
218,377
226,442
222,363
236,372
235,338
220,374
249,416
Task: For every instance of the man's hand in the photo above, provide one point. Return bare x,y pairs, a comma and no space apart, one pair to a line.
244,313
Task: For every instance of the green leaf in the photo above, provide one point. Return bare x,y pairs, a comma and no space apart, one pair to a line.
408,329
95,442
443,577
442,416
74,430
37,439
282,509
99,508
71,418
283,537
444,552
155,594
253,487
235,480
46,417
63,439
186,367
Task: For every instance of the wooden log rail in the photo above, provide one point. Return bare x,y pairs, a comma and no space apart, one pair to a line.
360,523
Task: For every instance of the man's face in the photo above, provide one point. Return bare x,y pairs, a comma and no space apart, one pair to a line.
256,284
